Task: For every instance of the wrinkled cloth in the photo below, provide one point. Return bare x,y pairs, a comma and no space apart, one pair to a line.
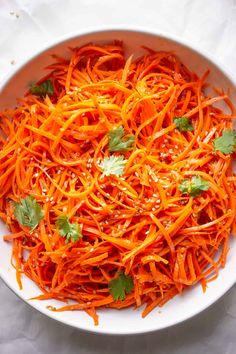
27,26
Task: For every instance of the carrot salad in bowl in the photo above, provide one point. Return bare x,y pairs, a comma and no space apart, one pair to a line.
116,180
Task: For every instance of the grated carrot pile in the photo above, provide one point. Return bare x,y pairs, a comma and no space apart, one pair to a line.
138,223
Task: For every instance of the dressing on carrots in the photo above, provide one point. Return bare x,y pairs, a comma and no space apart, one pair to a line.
130,180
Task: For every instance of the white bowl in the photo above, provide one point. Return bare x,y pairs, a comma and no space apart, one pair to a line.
111,321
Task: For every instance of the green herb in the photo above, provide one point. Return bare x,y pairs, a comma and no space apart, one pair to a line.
121,286
28,212
183,124
194,186
43,89
227,142
113,165
72,232
120,142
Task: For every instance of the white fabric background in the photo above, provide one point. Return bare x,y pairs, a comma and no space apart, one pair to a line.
28,25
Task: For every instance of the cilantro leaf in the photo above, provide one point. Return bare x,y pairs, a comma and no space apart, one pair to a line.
28,212
72,232
43,89
113,165
227,142
121,286
119,142
194,186
183,124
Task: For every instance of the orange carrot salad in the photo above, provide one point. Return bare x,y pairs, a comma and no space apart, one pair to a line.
116,180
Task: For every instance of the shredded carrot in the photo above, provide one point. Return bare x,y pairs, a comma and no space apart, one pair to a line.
138,223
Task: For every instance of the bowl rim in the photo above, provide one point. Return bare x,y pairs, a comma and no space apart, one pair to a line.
133,29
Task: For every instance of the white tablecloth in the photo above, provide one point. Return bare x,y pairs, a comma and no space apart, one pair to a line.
27,25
